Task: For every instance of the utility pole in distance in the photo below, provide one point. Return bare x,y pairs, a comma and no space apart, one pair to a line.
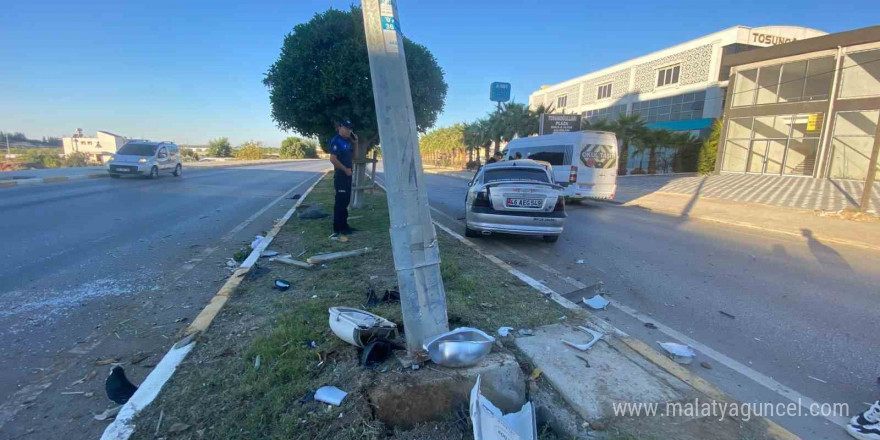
413,238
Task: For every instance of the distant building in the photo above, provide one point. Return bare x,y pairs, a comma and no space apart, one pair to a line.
807,108
680,88
104,143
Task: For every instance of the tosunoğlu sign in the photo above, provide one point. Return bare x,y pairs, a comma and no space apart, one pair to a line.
771,40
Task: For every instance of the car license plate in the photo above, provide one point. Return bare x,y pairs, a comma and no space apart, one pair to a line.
122,170
525,203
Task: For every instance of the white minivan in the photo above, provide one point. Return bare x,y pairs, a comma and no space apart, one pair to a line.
584,162
145,158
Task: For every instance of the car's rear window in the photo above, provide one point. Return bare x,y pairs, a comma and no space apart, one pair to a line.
137,150
553,154
512,174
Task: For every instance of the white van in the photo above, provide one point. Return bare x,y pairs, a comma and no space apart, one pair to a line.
584,162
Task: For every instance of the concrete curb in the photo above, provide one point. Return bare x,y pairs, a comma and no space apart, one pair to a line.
122,428
698,383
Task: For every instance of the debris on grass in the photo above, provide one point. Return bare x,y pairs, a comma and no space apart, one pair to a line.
281,285
312,213
86,378
706,364
651,325
504,331
108,414
107,361
491,424
291,262
330,395
359,327
321,258
257,240
177,428
726,314
266,254
526,332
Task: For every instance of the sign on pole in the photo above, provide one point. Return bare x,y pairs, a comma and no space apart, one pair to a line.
499,92
550,124
413,238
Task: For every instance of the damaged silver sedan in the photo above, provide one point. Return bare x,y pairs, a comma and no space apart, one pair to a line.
515,197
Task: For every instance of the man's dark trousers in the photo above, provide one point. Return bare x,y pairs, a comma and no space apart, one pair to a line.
342,184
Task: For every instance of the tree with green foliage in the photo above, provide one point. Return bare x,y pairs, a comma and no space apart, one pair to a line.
298,148
219,147
709,149
189,155
43,158
76,159
323,75
250,150
443,145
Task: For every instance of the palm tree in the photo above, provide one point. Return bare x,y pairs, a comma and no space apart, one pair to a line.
649,140
628,129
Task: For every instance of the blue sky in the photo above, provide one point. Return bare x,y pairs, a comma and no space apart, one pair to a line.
189,71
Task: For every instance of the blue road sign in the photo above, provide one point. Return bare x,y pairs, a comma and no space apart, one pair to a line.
499,92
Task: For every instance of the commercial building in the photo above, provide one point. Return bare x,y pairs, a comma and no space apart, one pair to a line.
806,108
680,88
104,143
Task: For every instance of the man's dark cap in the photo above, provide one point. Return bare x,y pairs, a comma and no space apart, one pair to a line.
346,123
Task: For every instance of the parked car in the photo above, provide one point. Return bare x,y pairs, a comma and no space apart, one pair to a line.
145,158
515,197
584,162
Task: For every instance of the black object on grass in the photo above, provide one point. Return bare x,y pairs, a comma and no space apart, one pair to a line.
282,285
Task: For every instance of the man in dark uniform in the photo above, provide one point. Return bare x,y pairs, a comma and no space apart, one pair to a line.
342,149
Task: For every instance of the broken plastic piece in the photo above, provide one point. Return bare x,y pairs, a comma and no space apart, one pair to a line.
268,254
490,424
282,285
585,347
331,395
257,240
680,353
359,327
376,352
461,347
579,262
321,258
504,331
526,332
597,302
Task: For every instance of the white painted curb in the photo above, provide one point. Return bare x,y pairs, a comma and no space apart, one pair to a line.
122,427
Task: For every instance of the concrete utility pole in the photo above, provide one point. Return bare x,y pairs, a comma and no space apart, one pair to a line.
413,238
872,171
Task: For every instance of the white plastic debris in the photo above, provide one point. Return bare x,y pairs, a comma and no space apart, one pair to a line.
231,263
331,395
597,302
579,262
257,240
680,353
504,331
490,424
268,254
584,347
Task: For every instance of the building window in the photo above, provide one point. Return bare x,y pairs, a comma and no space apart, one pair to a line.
603,91
805,80
851,145
607,113
782,144
673,108
561,101
668,75
861,74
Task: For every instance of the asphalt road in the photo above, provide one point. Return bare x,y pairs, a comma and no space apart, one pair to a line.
114,269
798,311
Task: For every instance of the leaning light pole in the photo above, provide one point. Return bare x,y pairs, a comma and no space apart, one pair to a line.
413,238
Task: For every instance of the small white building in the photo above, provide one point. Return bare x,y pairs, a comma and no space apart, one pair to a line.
104,143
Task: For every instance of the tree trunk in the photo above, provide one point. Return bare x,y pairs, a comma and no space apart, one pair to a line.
623,158
652,161
497,145
488,145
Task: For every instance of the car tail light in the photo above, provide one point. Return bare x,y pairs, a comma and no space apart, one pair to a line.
573,175
482,199
560,204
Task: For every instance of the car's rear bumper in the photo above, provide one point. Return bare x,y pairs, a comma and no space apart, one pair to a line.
585,191
519,224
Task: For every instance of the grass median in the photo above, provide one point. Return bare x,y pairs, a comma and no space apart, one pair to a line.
223,392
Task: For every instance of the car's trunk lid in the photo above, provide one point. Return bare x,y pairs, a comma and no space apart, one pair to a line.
523,197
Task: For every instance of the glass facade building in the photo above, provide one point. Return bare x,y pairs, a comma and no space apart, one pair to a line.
808,108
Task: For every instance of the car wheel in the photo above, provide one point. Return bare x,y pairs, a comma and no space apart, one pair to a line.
178,170
114,176
551,238
468,232
154,172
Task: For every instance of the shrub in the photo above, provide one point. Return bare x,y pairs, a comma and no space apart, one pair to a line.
78,159
44,158
296,148
709,150
188,155
219,147
249,151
